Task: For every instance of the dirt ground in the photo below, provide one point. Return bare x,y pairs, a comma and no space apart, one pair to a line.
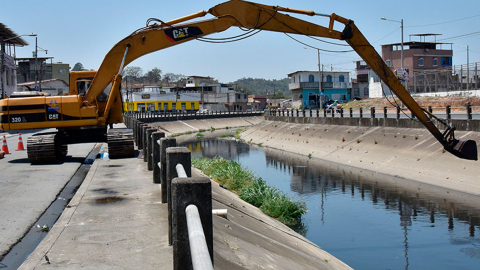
435,102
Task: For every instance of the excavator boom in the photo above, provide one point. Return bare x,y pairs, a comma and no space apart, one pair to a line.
236,13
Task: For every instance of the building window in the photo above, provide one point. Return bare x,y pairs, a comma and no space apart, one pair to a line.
420,61
62,71
299,78
293,79
365,92
446,61
329,78
311,78
389,63
356,92
435,61
341,78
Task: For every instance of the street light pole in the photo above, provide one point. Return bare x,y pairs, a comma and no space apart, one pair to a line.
401,42
320,81
468,67
36,63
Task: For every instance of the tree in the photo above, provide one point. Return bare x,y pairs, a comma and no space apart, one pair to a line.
133,71
154,75
78,67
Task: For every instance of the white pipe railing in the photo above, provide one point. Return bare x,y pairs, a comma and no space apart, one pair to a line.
181,171
198,244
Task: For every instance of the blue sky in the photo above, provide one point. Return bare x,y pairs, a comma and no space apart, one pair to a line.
84,31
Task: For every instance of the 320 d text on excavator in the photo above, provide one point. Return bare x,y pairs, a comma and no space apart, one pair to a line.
94,100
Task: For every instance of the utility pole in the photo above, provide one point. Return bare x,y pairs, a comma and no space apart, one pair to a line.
36,63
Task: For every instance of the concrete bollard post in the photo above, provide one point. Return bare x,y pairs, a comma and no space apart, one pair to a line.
187,191
372,112
134,129
138,124
150,148
175,155
145,142
164,144
142,136
469,112
156,136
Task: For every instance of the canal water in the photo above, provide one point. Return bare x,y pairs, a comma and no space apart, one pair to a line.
368,221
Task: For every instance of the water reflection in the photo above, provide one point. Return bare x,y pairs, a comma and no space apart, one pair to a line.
368,220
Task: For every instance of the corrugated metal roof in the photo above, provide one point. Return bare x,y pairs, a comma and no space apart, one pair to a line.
7,33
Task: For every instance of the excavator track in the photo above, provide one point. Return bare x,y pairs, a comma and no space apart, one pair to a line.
42,148
120,143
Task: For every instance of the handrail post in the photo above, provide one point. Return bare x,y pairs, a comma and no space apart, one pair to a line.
372,112
148,157
156,136
398,112
361,112
449,112
175,155
190,191
384,112
469,112
164,144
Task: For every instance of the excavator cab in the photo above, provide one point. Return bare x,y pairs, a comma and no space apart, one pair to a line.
83,85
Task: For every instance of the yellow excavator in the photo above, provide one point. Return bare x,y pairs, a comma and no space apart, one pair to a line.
94,100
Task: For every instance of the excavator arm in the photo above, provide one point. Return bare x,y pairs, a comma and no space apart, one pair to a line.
271,18
238,13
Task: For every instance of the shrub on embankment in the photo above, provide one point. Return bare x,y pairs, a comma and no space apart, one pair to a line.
252,189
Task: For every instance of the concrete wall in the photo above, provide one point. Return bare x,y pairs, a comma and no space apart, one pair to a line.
459,124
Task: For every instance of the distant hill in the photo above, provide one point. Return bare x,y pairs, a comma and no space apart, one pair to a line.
262,86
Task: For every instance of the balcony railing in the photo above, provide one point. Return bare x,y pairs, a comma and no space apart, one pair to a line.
314,85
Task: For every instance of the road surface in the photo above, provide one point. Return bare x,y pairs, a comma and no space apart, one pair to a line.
27,190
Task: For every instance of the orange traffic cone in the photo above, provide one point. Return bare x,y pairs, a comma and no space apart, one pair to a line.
5,146
20,143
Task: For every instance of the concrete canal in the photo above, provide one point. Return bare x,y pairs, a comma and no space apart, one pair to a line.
366,219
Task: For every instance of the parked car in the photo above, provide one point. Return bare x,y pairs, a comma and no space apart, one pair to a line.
203,111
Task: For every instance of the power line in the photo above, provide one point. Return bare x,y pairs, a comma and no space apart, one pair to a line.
412,26
386,35
461,36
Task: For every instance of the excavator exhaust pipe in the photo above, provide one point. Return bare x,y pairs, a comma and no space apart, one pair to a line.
462,148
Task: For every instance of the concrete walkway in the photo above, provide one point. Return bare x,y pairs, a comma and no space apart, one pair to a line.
115,221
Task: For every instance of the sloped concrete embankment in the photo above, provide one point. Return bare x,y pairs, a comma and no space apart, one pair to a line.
408,153
195,125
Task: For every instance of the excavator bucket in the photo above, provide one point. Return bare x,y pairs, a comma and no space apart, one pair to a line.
462,148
